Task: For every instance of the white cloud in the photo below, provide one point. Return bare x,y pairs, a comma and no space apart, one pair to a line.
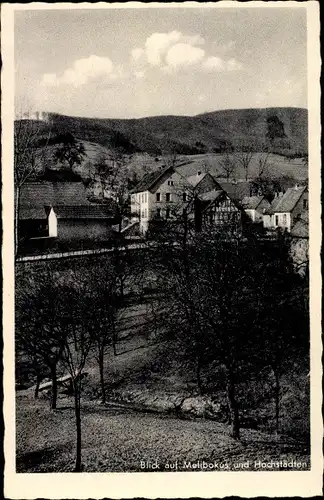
184,54
175,51
213,63
157,45
83,70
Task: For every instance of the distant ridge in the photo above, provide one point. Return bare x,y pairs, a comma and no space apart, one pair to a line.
282,129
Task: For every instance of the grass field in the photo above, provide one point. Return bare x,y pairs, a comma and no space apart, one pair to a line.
140,163
115,439
139,422
119,435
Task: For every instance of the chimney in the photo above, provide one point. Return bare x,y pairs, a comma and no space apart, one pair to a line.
296,186
198,173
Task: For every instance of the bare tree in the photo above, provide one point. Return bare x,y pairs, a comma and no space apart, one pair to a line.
38,329
110,172
76,349
263,163
227,164
100,312
243,155
30,150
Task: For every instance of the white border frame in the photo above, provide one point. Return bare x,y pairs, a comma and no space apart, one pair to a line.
181,484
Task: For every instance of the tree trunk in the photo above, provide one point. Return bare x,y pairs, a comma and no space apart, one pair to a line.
114,340
101,371
198,374
121,279
277,396
54,387
232,405
17,200
77,410
38,381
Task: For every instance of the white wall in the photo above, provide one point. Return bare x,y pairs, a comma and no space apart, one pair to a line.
251,213
276,220
52,224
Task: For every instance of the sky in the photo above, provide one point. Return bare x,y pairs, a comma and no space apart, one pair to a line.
131,63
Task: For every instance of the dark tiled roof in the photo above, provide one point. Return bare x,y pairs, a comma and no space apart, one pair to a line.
300,229
36,194
150,180
39,194
195,179
26,213
69,193
251,202
288,201
236,191
211,195
69,200
83,212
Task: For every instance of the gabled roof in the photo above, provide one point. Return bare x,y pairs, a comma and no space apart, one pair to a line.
236,191
36,194
251,202
288,201
38,213
149,181
195,179
300,229
83,212
70,193
69,200
211,195
40,194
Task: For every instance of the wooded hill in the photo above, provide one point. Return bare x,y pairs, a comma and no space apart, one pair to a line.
283,130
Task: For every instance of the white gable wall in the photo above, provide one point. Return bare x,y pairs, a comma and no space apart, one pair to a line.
52,224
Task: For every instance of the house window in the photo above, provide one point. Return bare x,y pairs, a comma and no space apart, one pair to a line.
145,211
168,197
184,197
277,220
158,212
170,183
142,197
158,196
305,204
167,213
143,214
284,219
145,198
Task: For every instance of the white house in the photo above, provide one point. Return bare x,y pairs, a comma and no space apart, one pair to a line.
255,206
286,209
157,195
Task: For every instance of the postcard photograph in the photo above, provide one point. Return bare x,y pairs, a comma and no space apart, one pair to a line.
163,177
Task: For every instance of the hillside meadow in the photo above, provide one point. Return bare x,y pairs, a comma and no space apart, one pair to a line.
141,163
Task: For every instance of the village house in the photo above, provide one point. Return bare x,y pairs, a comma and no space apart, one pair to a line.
299,235
158,195
286,208
255,206
164,193
62,210
202,183
216,209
